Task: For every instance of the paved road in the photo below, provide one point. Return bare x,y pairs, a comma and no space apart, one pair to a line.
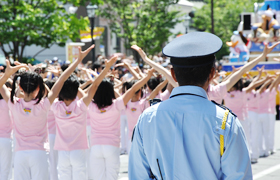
266,169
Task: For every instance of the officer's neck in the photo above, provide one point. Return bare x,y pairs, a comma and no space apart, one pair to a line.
205,86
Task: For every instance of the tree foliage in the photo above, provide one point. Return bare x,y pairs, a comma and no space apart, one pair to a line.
37,22
146,23
226,18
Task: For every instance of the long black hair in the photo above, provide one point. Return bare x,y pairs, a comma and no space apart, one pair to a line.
29,82
104,94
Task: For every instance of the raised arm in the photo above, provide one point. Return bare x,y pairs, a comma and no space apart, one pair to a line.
274,84
157,89
91,92
10,70
129,93
255,84
156,66
5,93
137,69
84,85
59,83
247,67
263,88
130,69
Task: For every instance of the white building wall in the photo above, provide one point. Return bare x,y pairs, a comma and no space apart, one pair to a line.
54,51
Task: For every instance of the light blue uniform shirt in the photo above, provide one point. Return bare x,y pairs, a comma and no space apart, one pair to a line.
180,139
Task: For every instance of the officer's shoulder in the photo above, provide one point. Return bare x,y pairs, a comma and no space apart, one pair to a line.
153,107
222,108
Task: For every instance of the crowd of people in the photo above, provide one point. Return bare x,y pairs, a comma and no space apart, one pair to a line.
86,113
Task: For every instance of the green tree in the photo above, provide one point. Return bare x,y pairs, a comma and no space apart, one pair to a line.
38,22
145,23
226,19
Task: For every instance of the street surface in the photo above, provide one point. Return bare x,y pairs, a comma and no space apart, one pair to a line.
266,169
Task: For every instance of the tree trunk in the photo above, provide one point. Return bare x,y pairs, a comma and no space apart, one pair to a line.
212,17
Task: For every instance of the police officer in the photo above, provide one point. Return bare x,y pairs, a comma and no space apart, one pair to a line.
188,136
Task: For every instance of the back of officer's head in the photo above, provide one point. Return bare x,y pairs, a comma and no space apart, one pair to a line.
196,76
193,57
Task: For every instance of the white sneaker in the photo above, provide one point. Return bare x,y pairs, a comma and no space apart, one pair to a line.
254,161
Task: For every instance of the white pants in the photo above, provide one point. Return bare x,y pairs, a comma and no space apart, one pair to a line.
105,162
128,142
124,133
53,158
5,158
72,165
88,153
264,134
31,164
255,134
247,129
271,131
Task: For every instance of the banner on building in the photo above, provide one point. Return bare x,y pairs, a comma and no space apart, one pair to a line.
86,34
72,51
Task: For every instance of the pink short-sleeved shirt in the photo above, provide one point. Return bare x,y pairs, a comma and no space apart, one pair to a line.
253,101
217,93
71,125
164,96
30,123
272,101
235,101
264,102
51,121
5,120
105,123
133,111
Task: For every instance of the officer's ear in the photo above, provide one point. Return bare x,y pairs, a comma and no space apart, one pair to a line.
173,75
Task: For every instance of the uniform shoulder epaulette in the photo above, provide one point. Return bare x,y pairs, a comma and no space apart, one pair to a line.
154,101
224,107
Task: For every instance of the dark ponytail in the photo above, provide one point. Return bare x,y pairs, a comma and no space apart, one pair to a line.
42,89
14,87
29,81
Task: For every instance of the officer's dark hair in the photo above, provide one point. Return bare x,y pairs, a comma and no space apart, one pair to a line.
153,83
104,94
196,76
70,88
29,82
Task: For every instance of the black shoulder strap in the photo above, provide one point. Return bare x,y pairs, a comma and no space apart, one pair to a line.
154,101
224,107
190,94
133,134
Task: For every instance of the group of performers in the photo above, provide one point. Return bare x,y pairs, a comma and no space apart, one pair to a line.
80,117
